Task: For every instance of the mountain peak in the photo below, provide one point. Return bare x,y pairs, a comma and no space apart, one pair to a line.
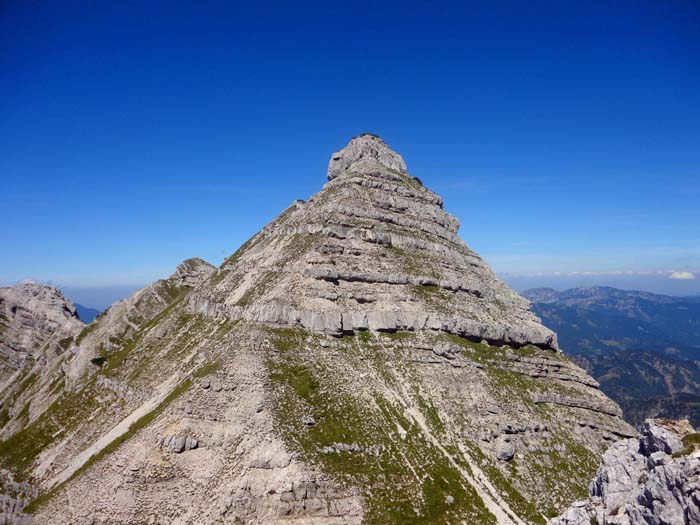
373,250
362,154
192,271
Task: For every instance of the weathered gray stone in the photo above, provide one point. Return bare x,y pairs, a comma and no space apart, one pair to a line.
178,443
34,318
370,206
639,481
505,450
362,153
447,351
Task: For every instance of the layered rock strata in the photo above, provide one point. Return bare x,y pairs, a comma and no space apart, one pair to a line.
373,250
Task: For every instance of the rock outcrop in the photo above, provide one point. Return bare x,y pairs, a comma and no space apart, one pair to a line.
35,321
32,318
354,362
653,480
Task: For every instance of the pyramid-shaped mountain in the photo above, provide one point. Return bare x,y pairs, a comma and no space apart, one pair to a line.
374,249
354,362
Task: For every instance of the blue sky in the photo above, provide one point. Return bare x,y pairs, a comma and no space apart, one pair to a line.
564,135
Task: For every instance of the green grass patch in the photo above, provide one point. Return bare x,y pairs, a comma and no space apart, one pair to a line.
4,417
575,463
19,451
112,360
414,264
522,506
25,385
690,443
287,339
408,483
64,344
397,336
209,368
431,414
85,332
433,296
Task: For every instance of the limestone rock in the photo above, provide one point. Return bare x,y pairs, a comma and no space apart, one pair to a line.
362,153
374,249
653,480
192,272
32,318
505,450
178,443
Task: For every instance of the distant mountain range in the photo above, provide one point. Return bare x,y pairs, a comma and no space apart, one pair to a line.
87,315
643,348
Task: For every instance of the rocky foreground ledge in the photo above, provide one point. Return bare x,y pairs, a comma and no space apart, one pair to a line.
652,480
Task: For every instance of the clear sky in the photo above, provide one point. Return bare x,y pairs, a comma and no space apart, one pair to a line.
564,135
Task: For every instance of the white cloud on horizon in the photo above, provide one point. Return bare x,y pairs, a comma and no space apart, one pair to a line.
682,276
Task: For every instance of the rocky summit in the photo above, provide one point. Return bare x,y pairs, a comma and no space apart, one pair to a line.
353,362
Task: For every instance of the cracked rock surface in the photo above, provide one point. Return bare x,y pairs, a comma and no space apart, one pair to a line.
653,480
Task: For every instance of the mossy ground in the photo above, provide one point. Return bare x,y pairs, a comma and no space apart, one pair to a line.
19,451
691,442
573,463
570,461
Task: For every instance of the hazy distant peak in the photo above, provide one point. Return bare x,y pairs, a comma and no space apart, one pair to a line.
541,295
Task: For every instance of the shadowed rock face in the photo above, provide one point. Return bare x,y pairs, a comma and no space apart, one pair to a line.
375,250
354,362
653,480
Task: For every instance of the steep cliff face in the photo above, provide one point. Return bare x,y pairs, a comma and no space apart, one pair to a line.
354,362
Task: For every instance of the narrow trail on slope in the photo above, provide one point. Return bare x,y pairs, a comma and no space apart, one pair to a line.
163,390
117,431
483,487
